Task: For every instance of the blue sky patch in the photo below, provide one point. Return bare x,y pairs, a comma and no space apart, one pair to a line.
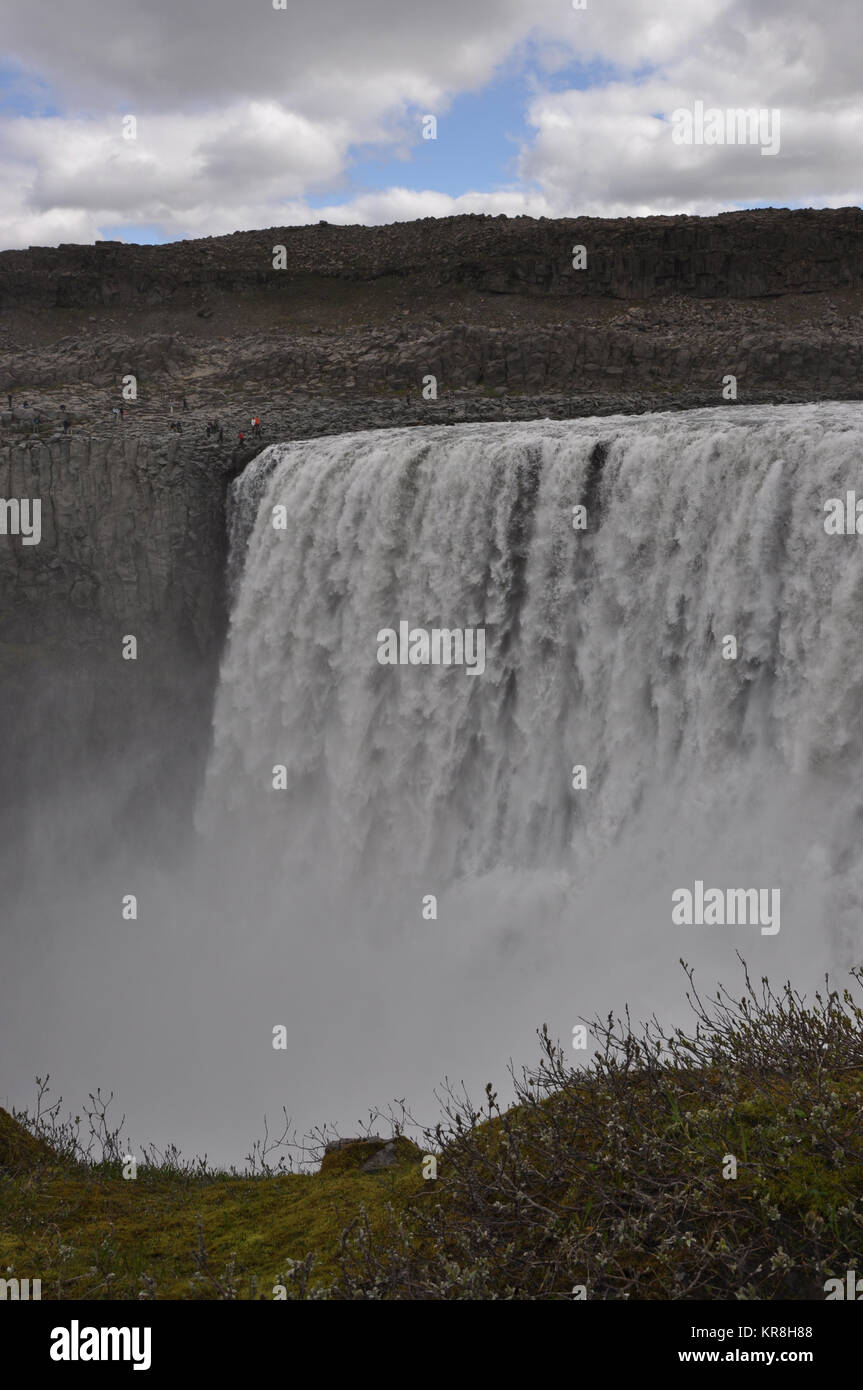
141,233
22,93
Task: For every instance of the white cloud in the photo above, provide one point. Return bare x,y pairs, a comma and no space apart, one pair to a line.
405,204
246,113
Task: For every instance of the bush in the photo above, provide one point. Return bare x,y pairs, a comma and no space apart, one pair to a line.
616,1180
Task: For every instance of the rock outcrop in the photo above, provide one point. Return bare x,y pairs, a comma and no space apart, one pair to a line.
369,1155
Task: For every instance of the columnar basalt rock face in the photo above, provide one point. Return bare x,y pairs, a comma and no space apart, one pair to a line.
131,537
734,255
132,544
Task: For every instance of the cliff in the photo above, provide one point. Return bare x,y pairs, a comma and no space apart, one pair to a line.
345,337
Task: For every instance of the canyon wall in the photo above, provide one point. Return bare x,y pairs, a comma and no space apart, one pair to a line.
346,337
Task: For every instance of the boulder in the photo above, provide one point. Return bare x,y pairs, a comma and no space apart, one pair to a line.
367,1155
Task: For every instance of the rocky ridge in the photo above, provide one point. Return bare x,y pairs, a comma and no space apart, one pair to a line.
734,255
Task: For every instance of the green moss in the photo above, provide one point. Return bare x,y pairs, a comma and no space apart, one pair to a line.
76,1228
20,1150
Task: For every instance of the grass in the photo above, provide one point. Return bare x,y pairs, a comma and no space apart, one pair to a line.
88,1233
723,1162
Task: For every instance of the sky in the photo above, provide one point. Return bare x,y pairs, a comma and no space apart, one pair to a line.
245,115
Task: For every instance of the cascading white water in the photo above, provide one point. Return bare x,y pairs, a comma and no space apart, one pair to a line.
604,648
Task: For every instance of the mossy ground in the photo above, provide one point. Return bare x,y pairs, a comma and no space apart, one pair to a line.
89,1233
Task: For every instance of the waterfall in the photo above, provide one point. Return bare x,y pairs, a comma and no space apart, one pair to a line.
604,643
424,879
